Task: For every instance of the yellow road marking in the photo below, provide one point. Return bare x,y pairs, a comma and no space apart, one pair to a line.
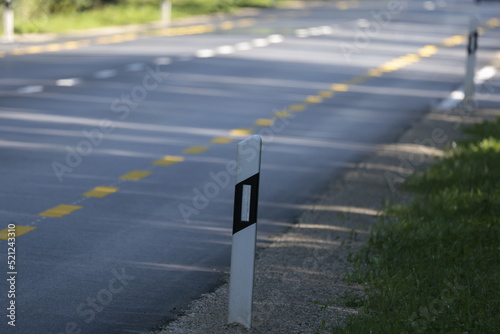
241,132
374,72
60,210
453,40
493,23
326,93
282,114
168,160
135,175
195,149
427,51
314,99
297,107
20,230
342,5
340,88
2,54
101,191
222,140
246,22
264,122
356,80
18,52
33,49
53,47
226,25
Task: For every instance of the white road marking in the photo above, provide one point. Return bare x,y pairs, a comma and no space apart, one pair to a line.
243,46
104,74
327,30
68,82
275,39
260,42
484,74
302,33
457,96
206,53
225,49
30,90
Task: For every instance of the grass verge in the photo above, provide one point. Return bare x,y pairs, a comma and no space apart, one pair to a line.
128,12
434,266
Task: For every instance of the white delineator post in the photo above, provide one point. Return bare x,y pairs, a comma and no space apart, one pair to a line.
8,22
166,12
469,85
244,231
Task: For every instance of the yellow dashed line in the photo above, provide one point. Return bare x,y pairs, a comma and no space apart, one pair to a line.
18,52
226,25
264,122
2,54
101,191
195,149
246,22
135,175
282,114
342,5
340,88
356,80
241,132
20,230
374,72
53,47
427,51
326,93
453,40
297,107
168,160
314,99
60,210
222,140
33,49
493,23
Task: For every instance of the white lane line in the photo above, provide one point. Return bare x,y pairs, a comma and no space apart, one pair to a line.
104,74
302,33
326,30
225,49
260,42
484,74
30,89
243,46
275,39
163,61
206,53
68,82
135,67
315,31
457,95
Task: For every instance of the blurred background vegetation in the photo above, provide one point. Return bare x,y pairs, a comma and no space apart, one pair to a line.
38,16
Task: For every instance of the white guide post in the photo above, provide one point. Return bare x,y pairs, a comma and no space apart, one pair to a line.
8,22
470,71
166,12
244,231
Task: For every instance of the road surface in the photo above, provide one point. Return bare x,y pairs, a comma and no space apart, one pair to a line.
117,153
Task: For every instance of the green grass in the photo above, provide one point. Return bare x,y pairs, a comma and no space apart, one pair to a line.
128,12
434,266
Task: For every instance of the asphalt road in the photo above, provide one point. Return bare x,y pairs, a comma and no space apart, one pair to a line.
127,251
